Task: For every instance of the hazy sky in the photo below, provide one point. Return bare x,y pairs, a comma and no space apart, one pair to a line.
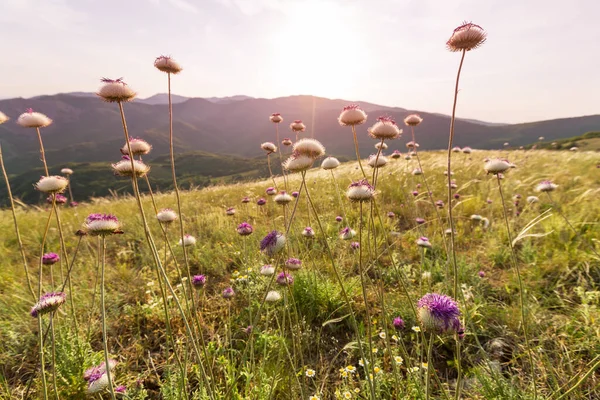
541,60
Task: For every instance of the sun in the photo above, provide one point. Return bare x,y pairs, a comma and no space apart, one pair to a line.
319,50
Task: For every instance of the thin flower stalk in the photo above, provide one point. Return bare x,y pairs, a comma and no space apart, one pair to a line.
103,310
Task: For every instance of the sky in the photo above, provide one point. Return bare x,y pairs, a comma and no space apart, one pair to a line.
541,59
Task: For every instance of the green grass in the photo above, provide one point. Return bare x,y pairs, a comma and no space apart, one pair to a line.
561,278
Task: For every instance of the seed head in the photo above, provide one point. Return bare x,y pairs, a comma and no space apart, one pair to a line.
115,91
49,302
308,232
532,199
230,211
273,243
283,198
166,216
347,233
466,37
50,258
138,146
439,313
423,242
309,147
267,270
188,240
467,150
412,145
31,119
268,147
352,115
330,163
298,162
273,296
286,142
396,154
376,161
417,171
66,171
102,224
276,118
167,64
297,126
52,184
123,168
496,166
413,120
97,383
271,191
360,191
385,128
456,149
546,186
439,204
381,146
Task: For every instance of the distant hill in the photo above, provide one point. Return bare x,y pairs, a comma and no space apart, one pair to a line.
589,141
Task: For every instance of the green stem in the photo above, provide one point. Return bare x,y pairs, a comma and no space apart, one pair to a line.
428,375
103,308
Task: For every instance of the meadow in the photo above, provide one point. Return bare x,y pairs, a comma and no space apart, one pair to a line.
464,274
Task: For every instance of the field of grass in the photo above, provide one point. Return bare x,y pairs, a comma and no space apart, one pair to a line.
306,344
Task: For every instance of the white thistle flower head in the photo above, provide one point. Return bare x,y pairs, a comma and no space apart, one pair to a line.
283,198
413,120
123,168
268,147
138,146
352,115
115,91
417,171
188,240
98,385
381,146
496,166
423,242
467,150
308,232
476,217
267,270
360,191
309,147
298,162
271,191
52,184
286,142
541,138
412,145
407,157
532,199
166,216
347,233
66,171
3,118
546,186
276,118
297,126
273,296
485,223
230,211
102,224
293,264
168,65
574,148
466,37
396,154
385,128
330,163
32,119
375,161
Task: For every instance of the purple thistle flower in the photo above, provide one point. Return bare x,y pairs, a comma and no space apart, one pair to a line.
481,274
354,245
439,313
418,186
198,281
102,224
398,323
228,293
391,214
49,302
439,204
73,204
285,279
230,211
419,221
261,202
94,373
50,258
489,201
308,232
415,193
457,196
120,389
339,218
248,329
272,243
271,191
293,264
245,229
295,194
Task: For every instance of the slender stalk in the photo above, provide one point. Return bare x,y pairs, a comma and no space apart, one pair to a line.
364,290
42,152
452,239
53,338
521,289
427,374
103,308
41,351
18,234
285,182
271,172
71,199
357,152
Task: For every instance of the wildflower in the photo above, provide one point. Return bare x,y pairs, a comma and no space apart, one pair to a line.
308,232
396,154
286,142
412,145
31,119
124,168
424,365
354,245
267,270
295,194
310,373
97,383
438,313
496,166
439,204
52,184
416,329
426,275
283,198
363,362
481,274
456,196
574,148
188,240
228,293
273,296
309,147
413,369
58,198
532,199
270,191
347,233
276,118
467,150
413,120
417,171
269,147
382,335
297,126
407,157
293,264
351,369
330,163
102,224
284,279
261,202
244,229
347,395
230,211
99,369
343,373
352,115
395,338
485,223
456,149
506,144
374,350
476,217
385,129
115,91
121,389
399,360
298,162
545,186
167,64
419,221
398,323
377,370
339,218
466,37
360,191
166,216
50,258
381,146
391,214
314,397
49,302
138,147
272,243
66,171
198,281
377,161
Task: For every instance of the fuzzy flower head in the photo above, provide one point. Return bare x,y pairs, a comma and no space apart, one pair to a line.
417,171
167,64
412,145
244,229
466,37
286,142
58,198
360,191
308,232
330,163
271,191
532,199
339,218
439,204
188,240
166,216
98,370
381,146
246,200
297,126
3,118
52,184
419,221
97,383
298,162
269,147
398,323
456,149
385,129
50,258
198,281
115,91
293,264
276,118
267,270
354,246
49,302
467,150
439,313
228,293
139,147
124,168
32,119
413,120
309,147
423,242
377,161
273,243
295,194
284,279
396,154
352,115
230,211
66,171
546,186
102,224
261,202
283,198
273,296
347,233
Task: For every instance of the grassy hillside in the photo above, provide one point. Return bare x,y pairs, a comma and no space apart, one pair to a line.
310,329
589,141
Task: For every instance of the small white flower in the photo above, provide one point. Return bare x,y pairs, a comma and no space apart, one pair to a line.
377,161
496,166
330,163
166,216
31,119
188,240
273,296
309,147
138,147
310,373
66,171
298,163
52,184
416,329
